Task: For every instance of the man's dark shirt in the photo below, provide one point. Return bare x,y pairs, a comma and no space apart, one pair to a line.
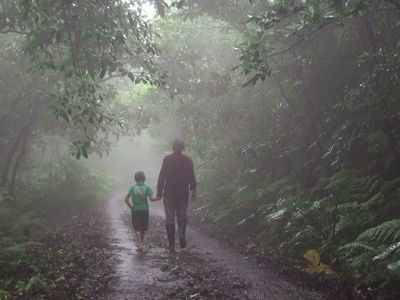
176,177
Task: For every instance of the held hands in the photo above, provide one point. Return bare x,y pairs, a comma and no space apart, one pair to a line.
153,199
193,196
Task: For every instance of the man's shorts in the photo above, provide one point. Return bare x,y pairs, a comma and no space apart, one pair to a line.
140,220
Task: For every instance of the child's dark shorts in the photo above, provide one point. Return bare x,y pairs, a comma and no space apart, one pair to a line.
140,220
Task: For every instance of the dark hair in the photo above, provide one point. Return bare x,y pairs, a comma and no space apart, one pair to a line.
139,176
178,145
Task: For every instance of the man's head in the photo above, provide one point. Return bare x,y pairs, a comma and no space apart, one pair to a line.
140,177
178,146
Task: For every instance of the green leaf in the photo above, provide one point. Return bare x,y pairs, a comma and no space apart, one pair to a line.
84,153
63,114
103,71
131,76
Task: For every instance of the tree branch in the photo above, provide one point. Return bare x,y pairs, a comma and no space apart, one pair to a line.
306,36
13,31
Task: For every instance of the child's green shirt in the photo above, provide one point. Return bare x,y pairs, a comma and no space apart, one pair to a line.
139,193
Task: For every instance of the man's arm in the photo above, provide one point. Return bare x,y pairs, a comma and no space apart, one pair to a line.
129,203
161,180
192,182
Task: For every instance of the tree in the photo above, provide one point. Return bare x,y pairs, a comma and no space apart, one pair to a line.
78,45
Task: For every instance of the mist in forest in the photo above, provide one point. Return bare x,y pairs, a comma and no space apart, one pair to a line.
130,155
289,111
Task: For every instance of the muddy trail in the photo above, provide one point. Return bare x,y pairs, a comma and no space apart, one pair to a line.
205,270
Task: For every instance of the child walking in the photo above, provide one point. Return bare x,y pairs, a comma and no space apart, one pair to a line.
139,193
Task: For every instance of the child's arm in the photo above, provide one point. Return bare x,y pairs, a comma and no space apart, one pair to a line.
153,199
129,203
150,195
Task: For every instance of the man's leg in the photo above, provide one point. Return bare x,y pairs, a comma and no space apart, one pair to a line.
170,222
181,216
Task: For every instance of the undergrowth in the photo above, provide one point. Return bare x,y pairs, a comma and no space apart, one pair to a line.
351,220
36,249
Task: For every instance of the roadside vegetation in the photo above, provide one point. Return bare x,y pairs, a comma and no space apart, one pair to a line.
48,200
44,189
47,227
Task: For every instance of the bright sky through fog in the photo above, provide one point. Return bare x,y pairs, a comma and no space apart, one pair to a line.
148,10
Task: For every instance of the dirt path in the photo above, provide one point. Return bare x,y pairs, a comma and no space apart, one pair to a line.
206,270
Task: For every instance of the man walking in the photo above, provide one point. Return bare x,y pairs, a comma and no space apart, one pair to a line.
176,183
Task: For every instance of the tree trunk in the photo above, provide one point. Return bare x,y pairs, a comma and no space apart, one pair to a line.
11,154
21,155
9,158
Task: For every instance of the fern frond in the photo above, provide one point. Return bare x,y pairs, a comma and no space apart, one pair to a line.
389,250
366,187
375,199
359,196
361,261
357,245
374,184
349,206
387,231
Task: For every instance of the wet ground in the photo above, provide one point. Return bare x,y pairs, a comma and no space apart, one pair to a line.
205,270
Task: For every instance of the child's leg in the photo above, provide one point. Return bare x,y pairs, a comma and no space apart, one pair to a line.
142,233
145,226
139,239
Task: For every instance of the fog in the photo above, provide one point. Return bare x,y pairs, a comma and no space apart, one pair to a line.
289,110
130,155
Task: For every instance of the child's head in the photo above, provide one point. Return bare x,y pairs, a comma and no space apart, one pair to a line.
140,177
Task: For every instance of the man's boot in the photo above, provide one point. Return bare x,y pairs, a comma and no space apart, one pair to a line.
182,234
171,237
